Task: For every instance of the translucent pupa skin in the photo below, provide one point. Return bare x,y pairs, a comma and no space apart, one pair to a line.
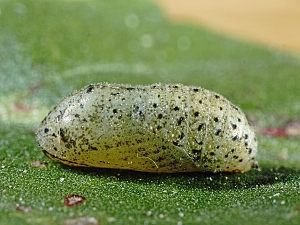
157,128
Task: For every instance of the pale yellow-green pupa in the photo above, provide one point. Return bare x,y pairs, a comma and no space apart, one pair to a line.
157,128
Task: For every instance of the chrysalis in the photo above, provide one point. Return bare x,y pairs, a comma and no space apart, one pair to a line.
157,128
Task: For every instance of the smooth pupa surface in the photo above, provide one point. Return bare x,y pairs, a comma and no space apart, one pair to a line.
157,128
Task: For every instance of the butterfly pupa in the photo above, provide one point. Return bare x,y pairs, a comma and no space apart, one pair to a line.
157,128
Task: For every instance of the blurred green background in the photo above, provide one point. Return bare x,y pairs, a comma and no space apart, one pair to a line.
48,49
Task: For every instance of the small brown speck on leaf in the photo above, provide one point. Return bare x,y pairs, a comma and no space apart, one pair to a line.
21,107
24,209
74,199
39,164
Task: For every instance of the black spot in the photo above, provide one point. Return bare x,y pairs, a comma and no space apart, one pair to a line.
250,151
138,141
196,114
197,158
93,148
154,86
196,151
236,108
241,160
217,96
76,115
200,101
216,119
246,143
221,108
179,121
159,116
200,126
160,159
63,135
246,136
130,88
195,89
175,86
235,157
154,105
158,127
163,147
235,138
118,144
175,143
218,166
115,110
68,145
136,109
255,166
212,153
217,147
55,149
233,126
239,119
200,143
181,136
90,88
226,156
46,130
218,132
142,150
176,108
114,94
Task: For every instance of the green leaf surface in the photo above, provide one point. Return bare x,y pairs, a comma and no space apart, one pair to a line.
50,48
